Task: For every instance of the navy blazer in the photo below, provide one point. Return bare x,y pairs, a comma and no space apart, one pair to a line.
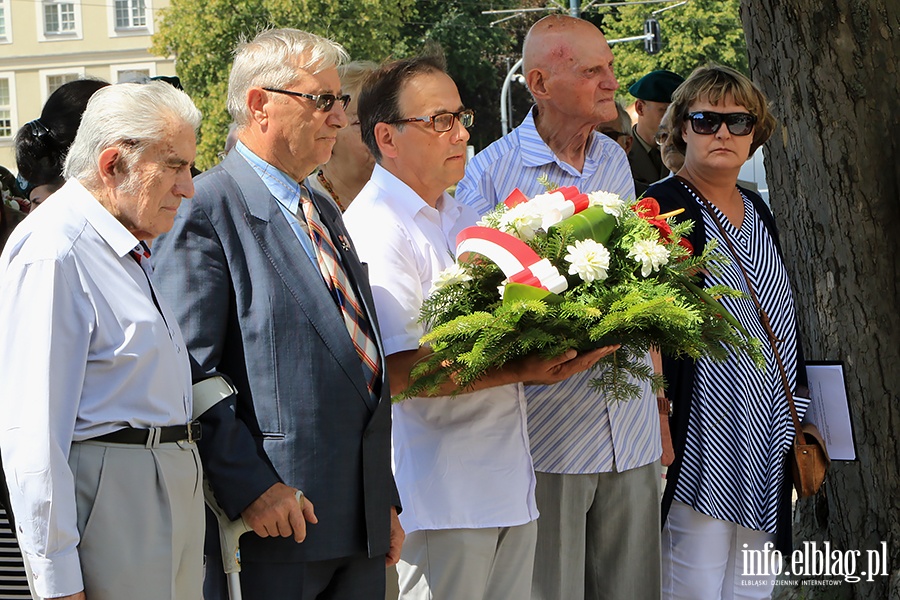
254,308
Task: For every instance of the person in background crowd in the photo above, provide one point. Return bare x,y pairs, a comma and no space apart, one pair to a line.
618,128
42,144
728,491
653,92
10,212
597,462
671,155
95,382
469,500
351,163
271,294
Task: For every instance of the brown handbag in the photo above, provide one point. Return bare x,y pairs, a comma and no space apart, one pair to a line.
809,460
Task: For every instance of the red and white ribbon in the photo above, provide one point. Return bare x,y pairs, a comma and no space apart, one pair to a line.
515,258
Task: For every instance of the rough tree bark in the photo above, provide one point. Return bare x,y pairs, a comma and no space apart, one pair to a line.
830,70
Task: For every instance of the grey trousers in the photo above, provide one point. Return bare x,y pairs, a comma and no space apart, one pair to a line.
598,536
140,517
493,563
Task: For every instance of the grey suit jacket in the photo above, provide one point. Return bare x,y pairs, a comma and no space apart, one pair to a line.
253,307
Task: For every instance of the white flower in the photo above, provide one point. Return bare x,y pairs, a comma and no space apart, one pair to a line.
589,260
611,203
650,254
522,220
455,273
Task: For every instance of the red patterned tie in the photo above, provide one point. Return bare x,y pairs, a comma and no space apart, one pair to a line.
141,253
354,318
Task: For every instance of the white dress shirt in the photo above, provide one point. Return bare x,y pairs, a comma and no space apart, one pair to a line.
85,352
460,462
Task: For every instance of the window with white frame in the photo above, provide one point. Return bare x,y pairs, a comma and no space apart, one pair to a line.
6,123
59,17
130,14
54,82
5,29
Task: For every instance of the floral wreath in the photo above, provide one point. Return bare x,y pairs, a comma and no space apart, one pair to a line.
567,270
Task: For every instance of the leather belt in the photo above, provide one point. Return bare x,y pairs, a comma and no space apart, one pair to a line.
166,435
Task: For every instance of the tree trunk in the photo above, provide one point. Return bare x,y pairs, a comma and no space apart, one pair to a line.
830,70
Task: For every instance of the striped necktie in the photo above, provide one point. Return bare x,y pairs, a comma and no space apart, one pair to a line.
336,279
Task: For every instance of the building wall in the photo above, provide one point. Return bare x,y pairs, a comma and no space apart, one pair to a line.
32,60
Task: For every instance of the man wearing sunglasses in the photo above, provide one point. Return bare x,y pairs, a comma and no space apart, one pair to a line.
462,463
597,462
270,293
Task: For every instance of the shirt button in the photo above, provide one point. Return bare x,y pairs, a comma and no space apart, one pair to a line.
177,349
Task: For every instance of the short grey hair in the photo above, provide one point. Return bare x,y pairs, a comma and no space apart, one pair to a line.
131,116
273,59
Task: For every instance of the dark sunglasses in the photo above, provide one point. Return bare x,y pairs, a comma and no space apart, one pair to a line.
324,102
706,122
444,121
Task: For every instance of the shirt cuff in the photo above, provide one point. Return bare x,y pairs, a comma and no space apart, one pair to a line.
400,343
57,576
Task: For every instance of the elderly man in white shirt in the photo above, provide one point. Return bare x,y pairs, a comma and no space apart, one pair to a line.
95,383
462,464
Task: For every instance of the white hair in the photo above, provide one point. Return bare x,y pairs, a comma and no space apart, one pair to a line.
273,59
130,116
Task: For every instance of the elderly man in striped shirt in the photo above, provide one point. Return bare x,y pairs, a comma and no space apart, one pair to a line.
597,462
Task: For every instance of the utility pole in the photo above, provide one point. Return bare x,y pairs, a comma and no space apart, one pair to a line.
575,8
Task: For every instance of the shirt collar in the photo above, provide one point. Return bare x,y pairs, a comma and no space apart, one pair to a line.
101,220
279,183
536,153
647,147
406,201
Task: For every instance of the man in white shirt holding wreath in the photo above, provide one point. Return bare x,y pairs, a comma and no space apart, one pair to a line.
462,463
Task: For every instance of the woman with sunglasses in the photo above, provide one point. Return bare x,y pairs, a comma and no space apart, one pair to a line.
728,492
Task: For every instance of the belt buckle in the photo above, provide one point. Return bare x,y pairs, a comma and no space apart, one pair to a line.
191,435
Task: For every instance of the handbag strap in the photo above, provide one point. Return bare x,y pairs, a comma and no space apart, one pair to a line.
763,317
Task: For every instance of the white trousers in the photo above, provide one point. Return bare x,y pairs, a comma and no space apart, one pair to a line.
493,563
703,558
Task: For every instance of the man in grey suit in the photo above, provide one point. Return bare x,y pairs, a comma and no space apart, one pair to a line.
270,293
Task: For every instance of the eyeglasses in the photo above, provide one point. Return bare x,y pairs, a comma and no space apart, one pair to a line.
324,102
705,122
662,137
444,121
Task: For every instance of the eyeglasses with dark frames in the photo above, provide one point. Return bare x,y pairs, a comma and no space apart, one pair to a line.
706,122
442,122
324,102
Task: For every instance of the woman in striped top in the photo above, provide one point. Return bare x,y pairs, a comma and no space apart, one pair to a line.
728,490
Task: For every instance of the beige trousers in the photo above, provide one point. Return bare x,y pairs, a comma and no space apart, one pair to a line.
494,563
141,520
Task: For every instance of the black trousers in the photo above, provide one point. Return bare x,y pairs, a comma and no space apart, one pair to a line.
355,577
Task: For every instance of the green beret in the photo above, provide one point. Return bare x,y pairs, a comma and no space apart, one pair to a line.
656,86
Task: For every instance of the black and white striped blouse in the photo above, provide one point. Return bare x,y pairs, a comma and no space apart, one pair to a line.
739,427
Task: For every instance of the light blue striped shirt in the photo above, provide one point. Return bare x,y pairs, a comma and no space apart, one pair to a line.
572,427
